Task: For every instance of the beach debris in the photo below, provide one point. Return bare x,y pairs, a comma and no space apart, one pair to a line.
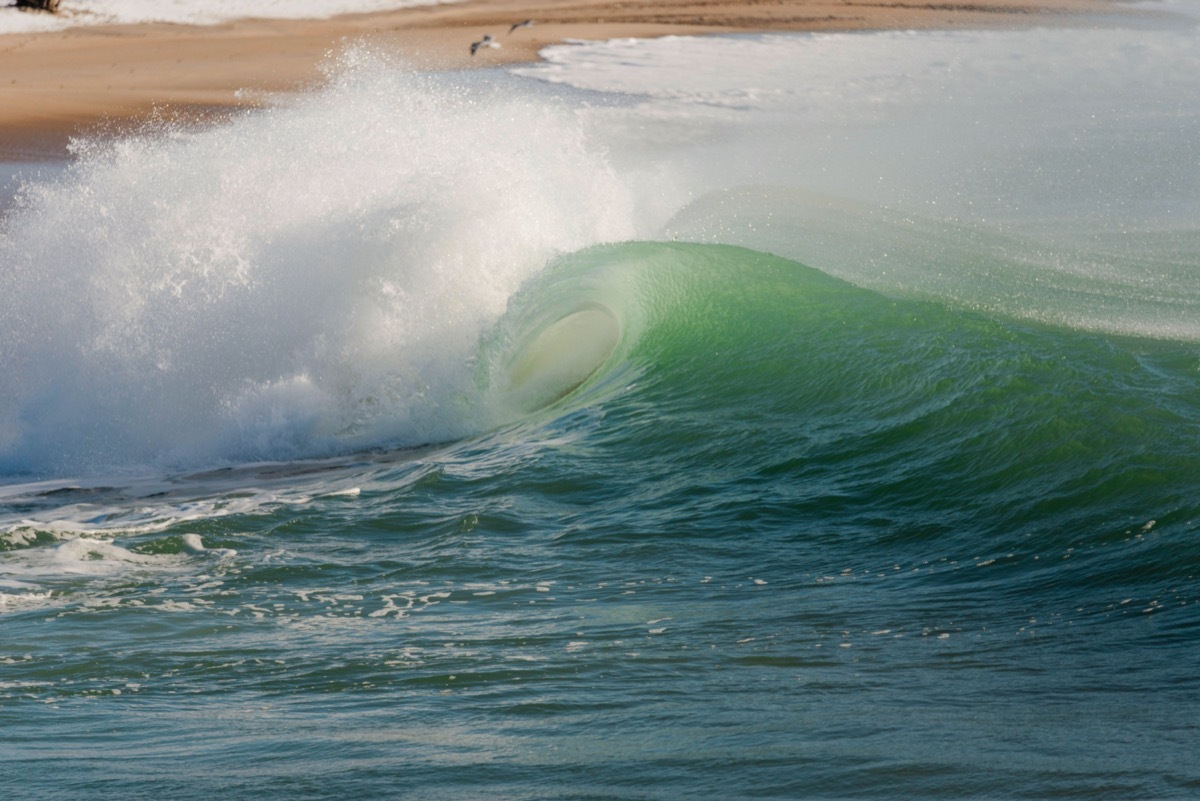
527,23
39,5
486,41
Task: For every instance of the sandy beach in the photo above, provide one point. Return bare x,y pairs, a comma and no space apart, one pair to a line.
89,78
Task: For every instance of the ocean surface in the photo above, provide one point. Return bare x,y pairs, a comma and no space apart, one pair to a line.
784,416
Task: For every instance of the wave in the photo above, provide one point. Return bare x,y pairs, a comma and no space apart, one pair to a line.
741,354
296,282
404,258
756,392
745,352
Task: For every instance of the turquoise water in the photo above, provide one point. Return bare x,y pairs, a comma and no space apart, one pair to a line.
375,480
797,540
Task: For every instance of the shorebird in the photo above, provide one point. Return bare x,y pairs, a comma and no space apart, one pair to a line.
486,41
523,24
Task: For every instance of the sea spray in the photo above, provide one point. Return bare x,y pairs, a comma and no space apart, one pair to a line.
296,281
1042,174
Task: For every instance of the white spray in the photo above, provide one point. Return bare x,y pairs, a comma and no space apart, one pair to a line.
302,280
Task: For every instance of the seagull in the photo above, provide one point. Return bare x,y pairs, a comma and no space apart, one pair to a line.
486,41
524,24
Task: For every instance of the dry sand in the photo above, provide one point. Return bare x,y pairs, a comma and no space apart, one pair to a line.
88,78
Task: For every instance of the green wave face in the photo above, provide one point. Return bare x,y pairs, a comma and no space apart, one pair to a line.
751,368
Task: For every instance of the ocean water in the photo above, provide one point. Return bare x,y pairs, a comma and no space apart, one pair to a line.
806,416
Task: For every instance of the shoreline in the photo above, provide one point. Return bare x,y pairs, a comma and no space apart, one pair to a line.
108,79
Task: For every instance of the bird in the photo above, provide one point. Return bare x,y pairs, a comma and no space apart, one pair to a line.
486,41
523,24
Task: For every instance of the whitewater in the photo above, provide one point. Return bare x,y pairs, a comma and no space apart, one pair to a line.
772,416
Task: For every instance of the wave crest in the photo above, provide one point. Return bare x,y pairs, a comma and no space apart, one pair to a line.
301,280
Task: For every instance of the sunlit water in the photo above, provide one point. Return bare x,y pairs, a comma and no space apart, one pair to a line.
752,417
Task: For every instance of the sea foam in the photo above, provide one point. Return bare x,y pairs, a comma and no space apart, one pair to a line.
306,279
